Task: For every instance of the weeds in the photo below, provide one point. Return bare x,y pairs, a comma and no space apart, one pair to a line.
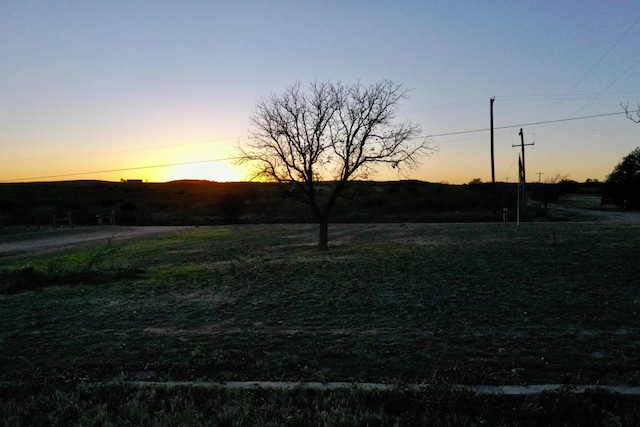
469,304
71,269
118,405
28,278
443,304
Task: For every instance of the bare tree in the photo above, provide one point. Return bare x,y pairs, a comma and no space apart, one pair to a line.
556,179
319,141
630,113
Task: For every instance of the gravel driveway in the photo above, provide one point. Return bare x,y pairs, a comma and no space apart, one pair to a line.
596,215
53,239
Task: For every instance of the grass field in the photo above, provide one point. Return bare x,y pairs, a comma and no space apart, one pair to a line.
394,303
582,201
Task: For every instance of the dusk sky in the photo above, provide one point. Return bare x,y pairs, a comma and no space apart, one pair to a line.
117,89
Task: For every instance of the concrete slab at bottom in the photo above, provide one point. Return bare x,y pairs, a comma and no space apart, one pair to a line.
511,390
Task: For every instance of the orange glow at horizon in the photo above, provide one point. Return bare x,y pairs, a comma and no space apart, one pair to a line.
158,167
219,171
211,163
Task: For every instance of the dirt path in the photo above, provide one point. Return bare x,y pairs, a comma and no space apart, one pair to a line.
57,239
53,239
595,215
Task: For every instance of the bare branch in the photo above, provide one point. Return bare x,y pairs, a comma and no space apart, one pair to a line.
333,134
629,113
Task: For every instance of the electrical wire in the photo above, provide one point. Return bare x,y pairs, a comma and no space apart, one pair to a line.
530,124
443,106
610,84
120,170
120,152
573,97
232,158
589,72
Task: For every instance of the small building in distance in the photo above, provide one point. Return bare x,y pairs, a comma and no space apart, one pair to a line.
131,181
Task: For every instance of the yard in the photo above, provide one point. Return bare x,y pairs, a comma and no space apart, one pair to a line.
436,304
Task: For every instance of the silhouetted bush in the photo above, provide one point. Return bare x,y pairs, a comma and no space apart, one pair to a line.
622,186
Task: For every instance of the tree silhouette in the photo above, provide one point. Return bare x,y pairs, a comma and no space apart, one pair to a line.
317,142
622,186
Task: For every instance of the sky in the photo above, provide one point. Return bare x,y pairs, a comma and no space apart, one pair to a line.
164,90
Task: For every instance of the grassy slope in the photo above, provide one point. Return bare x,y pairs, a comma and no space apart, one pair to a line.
474,303
468,303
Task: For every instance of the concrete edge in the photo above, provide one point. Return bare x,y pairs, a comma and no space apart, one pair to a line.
509,390
505,390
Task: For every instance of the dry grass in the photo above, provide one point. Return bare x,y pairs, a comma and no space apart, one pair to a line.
467,303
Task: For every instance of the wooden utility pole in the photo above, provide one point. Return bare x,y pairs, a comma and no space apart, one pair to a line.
539,176
524,174
493,167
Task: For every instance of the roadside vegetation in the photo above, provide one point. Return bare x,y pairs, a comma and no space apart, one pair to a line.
439,304
117,405
211,203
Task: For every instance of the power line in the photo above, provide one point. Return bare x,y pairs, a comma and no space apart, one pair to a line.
102,153
538,97
120,170
556,96
529,124
610,84
592,68
232,158
442,106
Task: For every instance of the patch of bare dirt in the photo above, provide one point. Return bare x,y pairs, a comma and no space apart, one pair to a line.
596,215
57,239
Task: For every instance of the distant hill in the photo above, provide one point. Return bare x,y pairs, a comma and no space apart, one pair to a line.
204,202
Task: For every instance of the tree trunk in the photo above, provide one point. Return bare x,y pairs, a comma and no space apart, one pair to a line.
323,244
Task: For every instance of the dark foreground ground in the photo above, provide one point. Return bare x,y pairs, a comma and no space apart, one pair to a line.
437,304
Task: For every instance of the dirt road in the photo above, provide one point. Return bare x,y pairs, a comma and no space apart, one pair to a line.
595,215
53,239
56,239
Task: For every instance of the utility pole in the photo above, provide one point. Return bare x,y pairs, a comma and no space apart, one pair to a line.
524,174
493,167
539,176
